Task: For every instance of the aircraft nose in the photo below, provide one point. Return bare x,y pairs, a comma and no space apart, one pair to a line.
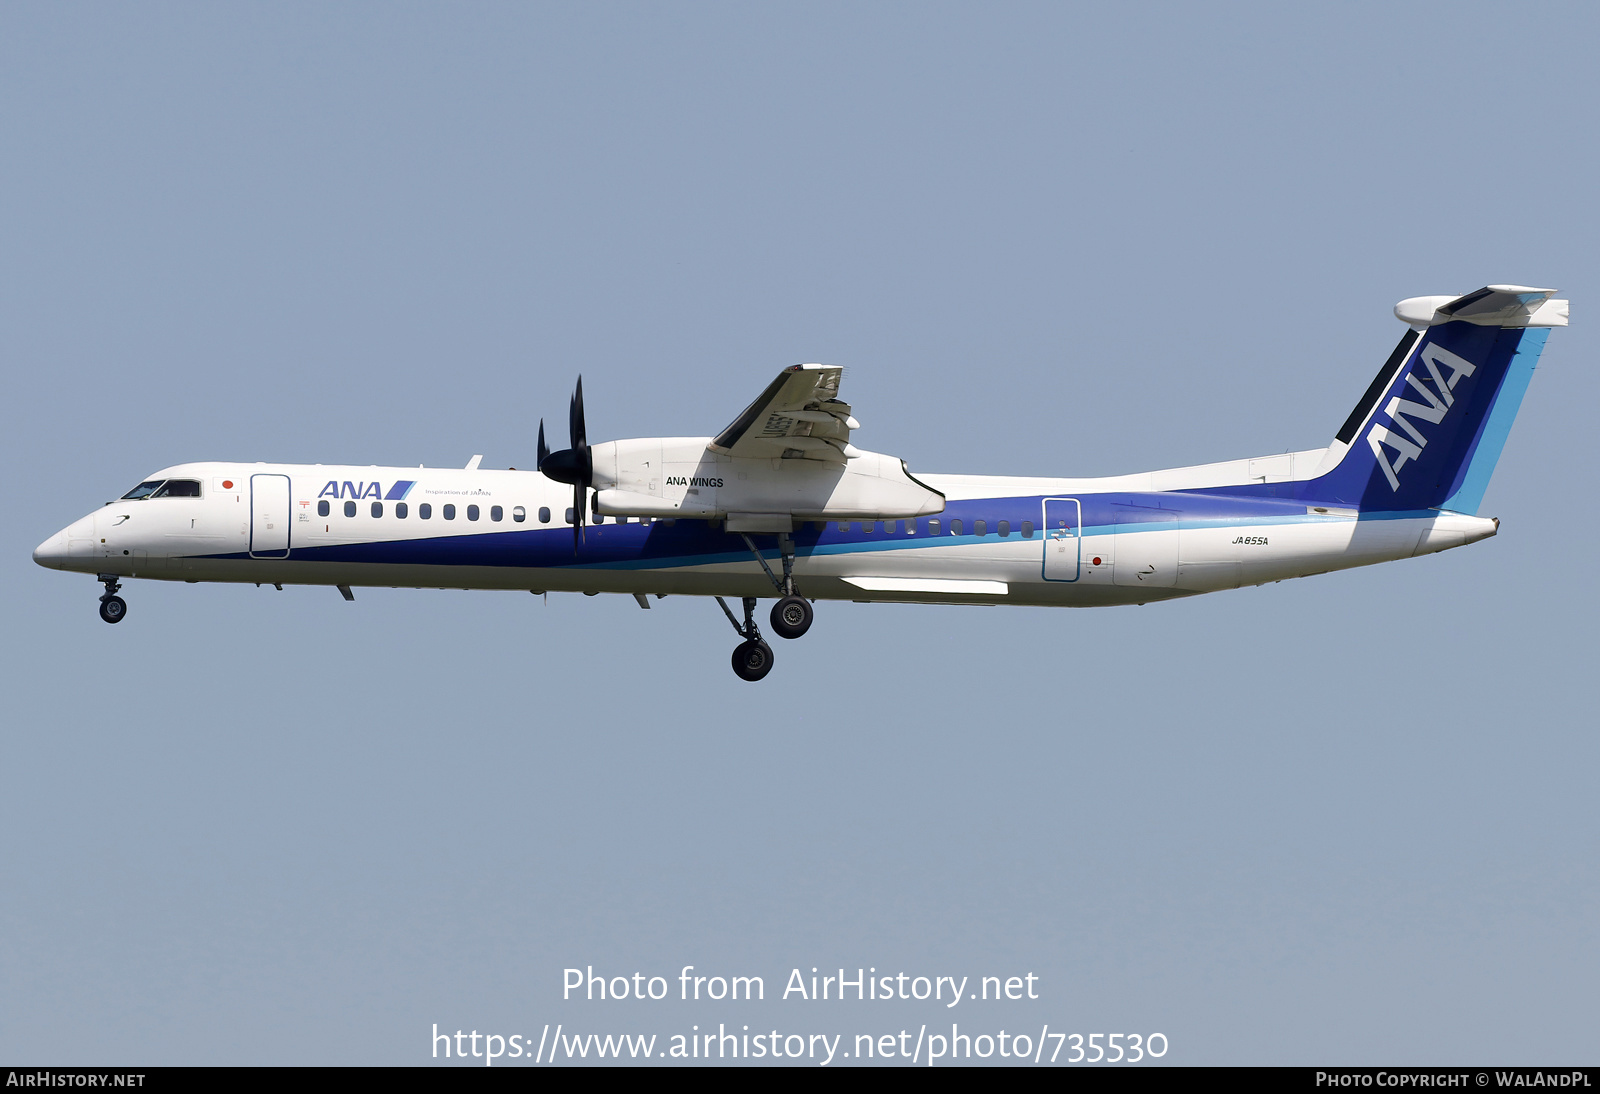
53,551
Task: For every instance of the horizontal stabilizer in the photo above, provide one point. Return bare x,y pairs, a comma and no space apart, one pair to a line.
1491,306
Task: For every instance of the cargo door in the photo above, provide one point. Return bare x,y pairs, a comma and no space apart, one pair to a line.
1147,547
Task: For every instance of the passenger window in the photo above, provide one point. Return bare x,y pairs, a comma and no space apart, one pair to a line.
569,514
143,490
544,514
377,508
845,527
1027,529
869,526
178,488
955,527
425,511
933,526
980,528
519,514
890,527
322,507
400,510
911,527
349,508
597,518
449,512
1004,528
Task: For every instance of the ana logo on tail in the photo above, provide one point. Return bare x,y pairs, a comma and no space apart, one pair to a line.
1401,412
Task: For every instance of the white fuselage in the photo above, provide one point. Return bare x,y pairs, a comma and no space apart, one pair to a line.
998,540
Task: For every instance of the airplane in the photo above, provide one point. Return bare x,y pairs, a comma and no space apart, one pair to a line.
781,504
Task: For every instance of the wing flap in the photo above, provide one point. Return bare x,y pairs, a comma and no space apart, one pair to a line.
798,416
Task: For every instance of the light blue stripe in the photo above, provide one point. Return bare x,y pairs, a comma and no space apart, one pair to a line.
1508,400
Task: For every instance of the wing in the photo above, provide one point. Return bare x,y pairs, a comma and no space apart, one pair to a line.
798,416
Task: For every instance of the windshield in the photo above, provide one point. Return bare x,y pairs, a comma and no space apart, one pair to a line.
143,490
164,488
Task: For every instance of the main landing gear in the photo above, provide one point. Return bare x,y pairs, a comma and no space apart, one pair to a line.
791,615
752,658
112,606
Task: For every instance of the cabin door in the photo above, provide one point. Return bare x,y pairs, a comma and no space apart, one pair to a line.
269,516
1063,538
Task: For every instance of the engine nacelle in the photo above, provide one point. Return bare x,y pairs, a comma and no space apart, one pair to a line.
680,477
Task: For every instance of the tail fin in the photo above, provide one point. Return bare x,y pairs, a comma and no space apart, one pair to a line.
1429,430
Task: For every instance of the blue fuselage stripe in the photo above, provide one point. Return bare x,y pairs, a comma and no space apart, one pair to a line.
686,543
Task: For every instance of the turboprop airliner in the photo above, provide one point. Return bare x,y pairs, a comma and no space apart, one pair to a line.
781,504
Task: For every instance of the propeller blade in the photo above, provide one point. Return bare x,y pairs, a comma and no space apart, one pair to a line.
573,465
575,429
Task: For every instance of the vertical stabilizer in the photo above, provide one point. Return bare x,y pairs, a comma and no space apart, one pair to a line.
1430,428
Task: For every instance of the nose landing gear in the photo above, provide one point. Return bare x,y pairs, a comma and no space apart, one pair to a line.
112,606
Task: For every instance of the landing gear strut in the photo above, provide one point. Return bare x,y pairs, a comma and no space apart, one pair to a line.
791,615
112,606
752,658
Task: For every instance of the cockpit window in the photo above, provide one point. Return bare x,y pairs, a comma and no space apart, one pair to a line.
143,490
170,488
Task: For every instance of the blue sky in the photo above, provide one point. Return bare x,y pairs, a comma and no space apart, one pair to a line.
1342,820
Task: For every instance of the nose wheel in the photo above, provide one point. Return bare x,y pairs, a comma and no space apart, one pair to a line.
112,606
752,658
